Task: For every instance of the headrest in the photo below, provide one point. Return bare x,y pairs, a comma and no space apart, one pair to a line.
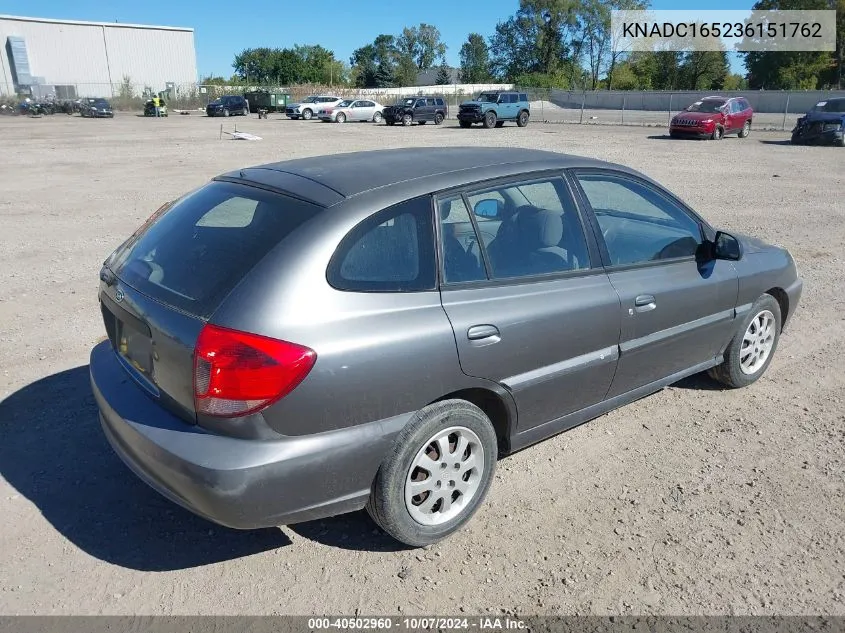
540,227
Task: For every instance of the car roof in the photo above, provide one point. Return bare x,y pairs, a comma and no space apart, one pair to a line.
328,180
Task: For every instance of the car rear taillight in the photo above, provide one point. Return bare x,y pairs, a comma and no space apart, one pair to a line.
237,373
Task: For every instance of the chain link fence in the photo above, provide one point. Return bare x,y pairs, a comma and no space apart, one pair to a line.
774,110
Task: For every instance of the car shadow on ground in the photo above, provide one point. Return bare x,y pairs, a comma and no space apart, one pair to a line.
699,382
54,454
782,142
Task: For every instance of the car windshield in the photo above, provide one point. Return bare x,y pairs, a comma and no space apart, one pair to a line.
309,100
490,97
832,105
100,102
405,102
345,104
708,105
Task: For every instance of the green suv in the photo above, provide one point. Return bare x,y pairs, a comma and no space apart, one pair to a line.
492,109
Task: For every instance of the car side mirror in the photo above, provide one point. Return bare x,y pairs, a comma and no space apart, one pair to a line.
487,208
726,246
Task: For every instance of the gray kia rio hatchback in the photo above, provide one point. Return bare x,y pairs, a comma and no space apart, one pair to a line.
375,329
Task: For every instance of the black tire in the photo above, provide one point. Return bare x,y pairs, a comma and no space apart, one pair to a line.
387,504
745,131
377,117
500,124
718,133
340,118
407,119
226,112
490,120
730,372
464,124
522,119
842,141
307,114
438,118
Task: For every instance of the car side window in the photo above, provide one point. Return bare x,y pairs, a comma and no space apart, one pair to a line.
538,229
420,103
460,253
638,223
523,97
391,251
439,102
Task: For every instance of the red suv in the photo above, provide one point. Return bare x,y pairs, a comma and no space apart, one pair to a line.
713,117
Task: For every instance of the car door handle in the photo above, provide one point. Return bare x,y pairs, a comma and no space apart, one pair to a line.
644,303
478,332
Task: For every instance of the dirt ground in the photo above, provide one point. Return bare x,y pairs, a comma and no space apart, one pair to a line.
693,501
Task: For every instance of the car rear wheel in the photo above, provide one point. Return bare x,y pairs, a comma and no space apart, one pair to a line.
753,346
307,114
436,474
745,131
407,119
490,120
246,112
718,133
341,117
377,117
522,121
438,118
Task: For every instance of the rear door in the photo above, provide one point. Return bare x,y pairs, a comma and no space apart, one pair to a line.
677,307
161,286
537,317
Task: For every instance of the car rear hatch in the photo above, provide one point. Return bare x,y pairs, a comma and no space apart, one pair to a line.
160,288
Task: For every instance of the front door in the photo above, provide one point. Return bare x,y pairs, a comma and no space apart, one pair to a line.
677,307
528,309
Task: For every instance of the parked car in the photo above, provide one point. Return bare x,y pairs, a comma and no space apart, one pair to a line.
310,337
306,109
228,105
150,109
420,110
824,124
713,117
96,108
352,110
494,108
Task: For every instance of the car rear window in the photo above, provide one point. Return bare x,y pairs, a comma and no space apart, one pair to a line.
193,255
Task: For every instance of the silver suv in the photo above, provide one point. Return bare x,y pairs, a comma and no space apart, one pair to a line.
308,338
310,106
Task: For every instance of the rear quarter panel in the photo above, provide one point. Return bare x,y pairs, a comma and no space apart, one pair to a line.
379,355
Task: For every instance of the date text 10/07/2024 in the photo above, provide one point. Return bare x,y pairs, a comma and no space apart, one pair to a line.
481,623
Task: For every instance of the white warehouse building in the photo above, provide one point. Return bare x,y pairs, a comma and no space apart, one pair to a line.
78,59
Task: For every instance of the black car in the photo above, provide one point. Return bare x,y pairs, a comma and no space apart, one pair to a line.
228,105
96,108
824,124
421,110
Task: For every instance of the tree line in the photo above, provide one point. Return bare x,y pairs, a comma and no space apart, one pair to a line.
548,44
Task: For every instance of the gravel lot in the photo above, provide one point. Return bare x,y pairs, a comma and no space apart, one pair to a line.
693,501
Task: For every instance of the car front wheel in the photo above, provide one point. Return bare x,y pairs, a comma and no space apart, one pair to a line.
225,112
436,474
751,350
307,114
407,119
718,133
490,120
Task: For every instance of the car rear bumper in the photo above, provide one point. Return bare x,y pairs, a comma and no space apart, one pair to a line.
242,484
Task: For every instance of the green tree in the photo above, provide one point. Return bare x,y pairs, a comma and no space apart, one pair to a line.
444,76
793,70
475,60
375,65
703,70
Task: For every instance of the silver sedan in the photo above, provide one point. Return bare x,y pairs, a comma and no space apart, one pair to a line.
352,110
